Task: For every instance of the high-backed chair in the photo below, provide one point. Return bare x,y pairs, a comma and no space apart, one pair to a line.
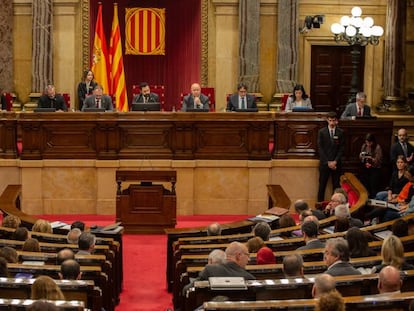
156,88
9,98
208,91
66,97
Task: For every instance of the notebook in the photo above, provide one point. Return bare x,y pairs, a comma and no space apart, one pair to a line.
382,204
93,109
227,282
197,110
247,110
302,109
44,110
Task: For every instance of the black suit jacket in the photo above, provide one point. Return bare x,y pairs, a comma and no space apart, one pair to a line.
233,102
83,91
152,98
57,102
188,102
330,150
229,268
396,150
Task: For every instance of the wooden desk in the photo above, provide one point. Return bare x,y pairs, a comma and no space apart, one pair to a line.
146,207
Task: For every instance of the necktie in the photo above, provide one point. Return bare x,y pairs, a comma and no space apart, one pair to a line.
404,147
332,134
97,103
243,105
359,112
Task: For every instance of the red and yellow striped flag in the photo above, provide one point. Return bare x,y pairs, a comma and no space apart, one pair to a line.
100,53
118,83
145,31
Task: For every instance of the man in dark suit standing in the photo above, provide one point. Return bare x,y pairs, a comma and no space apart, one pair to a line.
195,99
357,109
402,147
98,100
52,100
331,144
145,96
336,257
241,100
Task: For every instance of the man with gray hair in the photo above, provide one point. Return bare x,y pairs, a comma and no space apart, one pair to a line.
237,257
324,283
216,256
336,199
357,109
86,243
336,257
389,280
214,229
73,236
293,265
262,229
342,211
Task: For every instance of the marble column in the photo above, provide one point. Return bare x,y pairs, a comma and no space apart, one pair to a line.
287,45
394,58
249,30
6,42
42,46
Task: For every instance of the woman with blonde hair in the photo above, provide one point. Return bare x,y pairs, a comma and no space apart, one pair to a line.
44,287
42,225
392,253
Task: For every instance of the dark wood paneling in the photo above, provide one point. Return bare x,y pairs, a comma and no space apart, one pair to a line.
8,136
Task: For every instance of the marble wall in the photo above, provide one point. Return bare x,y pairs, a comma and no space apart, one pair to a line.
203,186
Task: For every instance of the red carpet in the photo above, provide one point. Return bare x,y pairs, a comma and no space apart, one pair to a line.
144,260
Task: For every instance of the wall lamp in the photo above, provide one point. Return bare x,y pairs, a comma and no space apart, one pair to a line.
312,22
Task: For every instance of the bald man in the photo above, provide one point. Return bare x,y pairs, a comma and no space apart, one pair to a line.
324,283
389,280
195,100
237,257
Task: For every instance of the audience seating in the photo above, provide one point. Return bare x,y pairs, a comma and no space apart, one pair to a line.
22,304
285,289
84,291
394,301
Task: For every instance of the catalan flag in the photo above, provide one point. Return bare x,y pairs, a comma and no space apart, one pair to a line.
118,88
145,31
100,53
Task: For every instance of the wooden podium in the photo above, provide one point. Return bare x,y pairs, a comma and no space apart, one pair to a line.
146,207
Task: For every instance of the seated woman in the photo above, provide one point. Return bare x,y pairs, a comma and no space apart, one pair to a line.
371,159
254,244
358,243
402,201
397,181
392,253
265,256
299,98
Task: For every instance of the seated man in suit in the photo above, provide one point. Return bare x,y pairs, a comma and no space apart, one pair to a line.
293,266
145,96
98,100
336,258
241,100
70,270
52,100
357,109
324,283
86,243
342,211
237,257
389,280
302,206
310,235
195,99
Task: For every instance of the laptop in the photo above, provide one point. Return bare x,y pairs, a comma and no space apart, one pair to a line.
146,106
197,110
247,110
382,204
44,110
227,282
302,109
93,109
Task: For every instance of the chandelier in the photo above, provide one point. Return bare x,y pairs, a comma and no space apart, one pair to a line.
356,30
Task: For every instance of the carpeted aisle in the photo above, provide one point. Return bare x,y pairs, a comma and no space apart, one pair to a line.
145,260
